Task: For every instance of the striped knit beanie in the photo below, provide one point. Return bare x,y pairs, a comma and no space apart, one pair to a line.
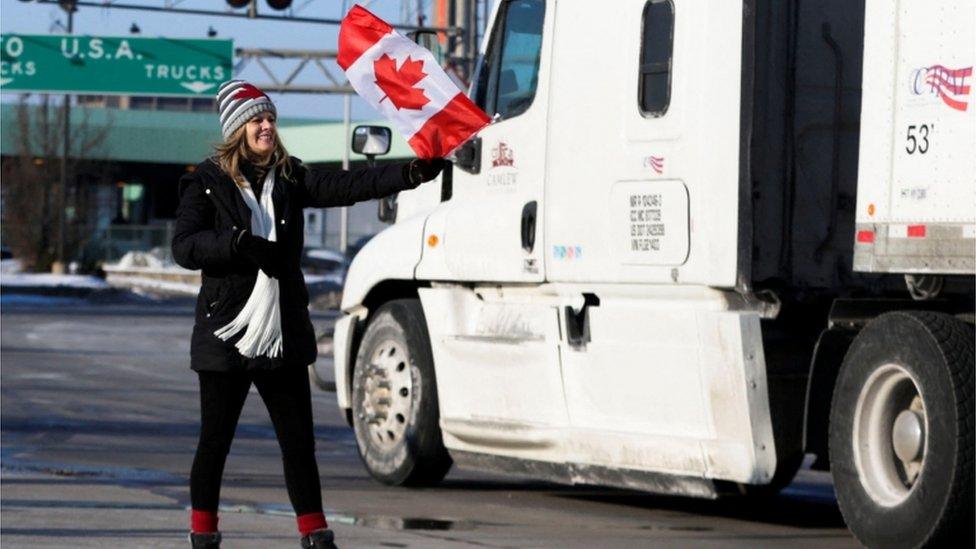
237,102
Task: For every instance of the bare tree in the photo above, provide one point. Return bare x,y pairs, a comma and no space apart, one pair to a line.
31,182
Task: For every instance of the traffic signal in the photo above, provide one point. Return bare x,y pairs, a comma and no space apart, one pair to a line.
273,4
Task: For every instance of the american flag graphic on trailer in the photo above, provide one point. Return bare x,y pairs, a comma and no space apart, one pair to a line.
656,163
950,85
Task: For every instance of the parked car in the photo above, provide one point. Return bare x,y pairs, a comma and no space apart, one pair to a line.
324,261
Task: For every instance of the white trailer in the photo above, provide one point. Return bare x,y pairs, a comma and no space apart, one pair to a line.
916,197
646,272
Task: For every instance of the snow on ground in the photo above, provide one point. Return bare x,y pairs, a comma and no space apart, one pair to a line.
50,280
148,283
10,266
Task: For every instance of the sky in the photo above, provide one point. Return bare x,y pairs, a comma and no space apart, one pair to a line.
25,17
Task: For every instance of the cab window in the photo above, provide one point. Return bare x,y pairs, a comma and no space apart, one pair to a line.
657,42
509,72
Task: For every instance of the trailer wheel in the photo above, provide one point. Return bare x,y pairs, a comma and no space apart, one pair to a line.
901,431
394,399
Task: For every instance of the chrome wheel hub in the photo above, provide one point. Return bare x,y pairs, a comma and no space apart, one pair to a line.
387,394
889,435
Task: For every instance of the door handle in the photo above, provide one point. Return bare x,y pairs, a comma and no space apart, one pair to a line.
528,226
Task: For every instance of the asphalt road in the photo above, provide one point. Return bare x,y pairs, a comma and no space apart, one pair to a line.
99,417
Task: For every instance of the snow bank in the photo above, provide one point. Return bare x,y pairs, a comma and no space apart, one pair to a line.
143,283
10,266
324,278
147,263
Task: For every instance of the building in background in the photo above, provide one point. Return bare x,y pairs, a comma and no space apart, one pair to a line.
124,191
136,102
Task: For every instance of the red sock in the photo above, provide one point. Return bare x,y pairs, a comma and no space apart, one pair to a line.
203,522
310,522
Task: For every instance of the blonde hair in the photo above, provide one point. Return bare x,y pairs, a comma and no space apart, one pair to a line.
229,154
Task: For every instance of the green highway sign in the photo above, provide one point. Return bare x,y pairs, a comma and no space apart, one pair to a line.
113,65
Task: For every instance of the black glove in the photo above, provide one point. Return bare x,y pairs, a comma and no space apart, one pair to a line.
262,252
420,171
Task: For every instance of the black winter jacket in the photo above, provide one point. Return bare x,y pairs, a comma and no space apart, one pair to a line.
211,214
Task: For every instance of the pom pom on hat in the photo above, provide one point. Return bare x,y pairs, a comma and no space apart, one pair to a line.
237,102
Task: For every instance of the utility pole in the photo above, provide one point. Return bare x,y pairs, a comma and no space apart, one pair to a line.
471,36
463,47
69,8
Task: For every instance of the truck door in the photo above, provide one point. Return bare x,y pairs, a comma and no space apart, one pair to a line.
495,342
487,231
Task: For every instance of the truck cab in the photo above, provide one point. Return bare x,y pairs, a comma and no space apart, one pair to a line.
641,274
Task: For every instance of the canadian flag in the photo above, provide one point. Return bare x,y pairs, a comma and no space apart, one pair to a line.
404,82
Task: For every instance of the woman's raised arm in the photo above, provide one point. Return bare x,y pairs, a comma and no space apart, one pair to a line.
325,188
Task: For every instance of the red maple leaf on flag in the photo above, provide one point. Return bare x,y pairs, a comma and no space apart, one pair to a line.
398,84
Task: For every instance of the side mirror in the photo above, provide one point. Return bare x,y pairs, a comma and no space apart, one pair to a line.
371,140
429,40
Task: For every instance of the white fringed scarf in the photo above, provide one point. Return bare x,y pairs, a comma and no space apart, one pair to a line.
261,315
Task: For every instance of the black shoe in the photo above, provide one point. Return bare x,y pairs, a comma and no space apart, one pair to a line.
319,539
205,541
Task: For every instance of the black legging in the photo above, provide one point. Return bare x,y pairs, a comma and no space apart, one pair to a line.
286,394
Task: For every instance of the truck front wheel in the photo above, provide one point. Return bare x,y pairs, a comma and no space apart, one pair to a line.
394,399
901,431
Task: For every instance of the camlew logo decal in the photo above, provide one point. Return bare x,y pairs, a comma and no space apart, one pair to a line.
950,85
501,155
503,175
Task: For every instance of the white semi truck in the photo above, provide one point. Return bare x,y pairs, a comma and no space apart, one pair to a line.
700,240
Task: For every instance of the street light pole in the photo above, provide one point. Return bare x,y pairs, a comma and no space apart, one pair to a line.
344,212
66,146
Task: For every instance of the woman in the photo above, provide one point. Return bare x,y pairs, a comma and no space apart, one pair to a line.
240,221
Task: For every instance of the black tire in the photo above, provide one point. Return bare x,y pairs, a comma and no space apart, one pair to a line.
397,424
933,503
